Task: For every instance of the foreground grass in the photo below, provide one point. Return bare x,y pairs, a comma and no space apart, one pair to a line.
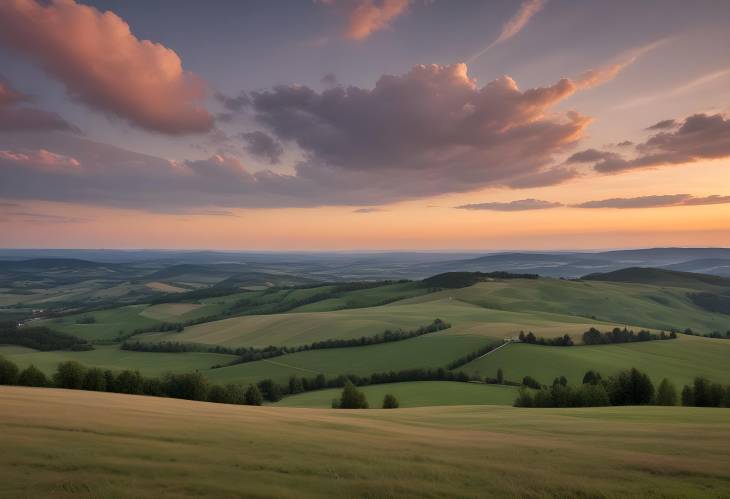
414,394
83,444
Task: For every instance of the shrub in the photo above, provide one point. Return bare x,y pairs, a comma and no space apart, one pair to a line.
8,372
32,376
390,402
69,374
666,393
253,396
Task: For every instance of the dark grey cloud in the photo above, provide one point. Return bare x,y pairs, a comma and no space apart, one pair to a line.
655,201
233,105
663,125
17,116
698,137
428,132
518,205
368,210
625,143
263,145
591,156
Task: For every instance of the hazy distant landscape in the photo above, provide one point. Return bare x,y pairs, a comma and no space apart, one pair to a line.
291,330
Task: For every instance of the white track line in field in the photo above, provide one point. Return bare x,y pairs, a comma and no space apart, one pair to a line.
492,351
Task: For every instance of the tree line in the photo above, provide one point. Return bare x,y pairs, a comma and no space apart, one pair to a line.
594,337
39,338
628,387
73,375
251,354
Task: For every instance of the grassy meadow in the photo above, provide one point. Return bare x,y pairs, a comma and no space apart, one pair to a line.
84,444
413,394
678,360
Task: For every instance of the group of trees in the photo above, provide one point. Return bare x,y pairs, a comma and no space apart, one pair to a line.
251,354
75,376
39,338
704,393
558,341
594,337
628,387
352,398
714,334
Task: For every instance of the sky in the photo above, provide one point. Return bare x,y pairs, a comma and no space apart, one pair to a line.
364,124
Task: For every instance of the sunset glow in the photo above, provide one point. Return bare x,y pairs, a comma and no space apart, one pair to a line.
352,125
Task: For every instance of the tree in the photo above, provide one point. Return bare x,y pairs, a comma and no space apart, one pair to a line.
390,402
352,398
253,396
32,376
593,395
295,385
500,376
701,392
8,372
235,394
217,394
667,393
524,398
270,390
591,377
531,382
688,397
110,381
69,374
94,380
189,386
130,382
631,387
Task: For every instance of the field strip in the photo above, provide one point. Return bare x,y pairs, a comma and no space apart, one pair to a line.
492,351
281,364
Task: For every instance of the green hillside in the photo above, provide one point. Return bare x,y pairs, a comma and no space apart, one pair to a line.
110,357
662,277
414,394
679,360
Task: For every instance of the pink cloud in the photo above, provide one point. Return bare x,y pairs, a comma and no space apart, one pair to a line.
40,158
514,25
364,17
102,64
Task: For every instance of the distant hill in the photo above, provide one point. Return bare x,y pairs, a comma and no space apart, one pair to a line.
661,277
464,279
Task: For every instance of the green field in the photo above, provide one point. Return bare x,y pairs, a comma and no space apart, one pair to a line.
432,350
642,305
291,329
679,360
414,394
111,357
86,444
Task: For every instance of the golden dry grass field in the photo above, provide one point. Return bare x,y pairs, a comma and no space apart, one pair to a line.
59,443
